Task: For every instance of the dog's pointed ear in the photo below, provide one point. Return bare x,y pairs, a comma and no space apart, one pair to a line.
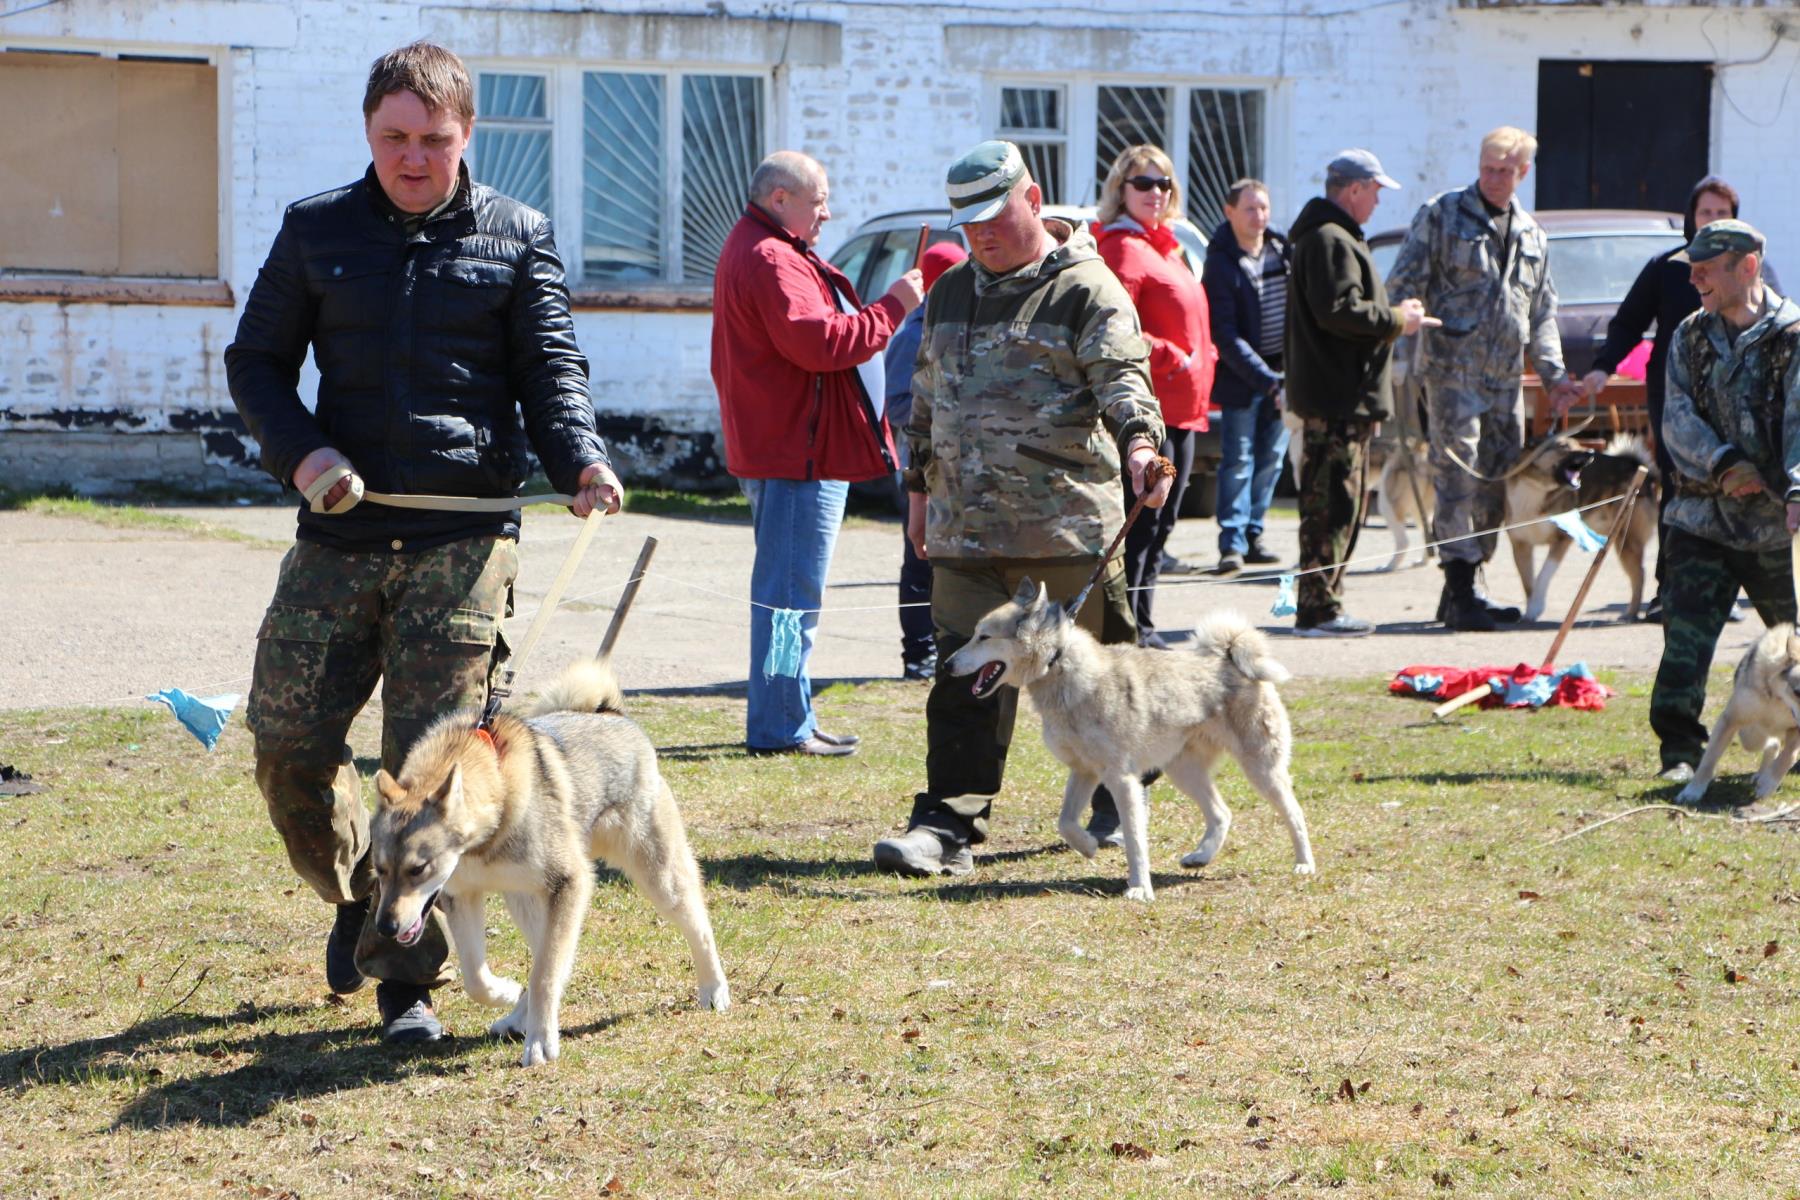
449,794
388,788
1028,593
1043,596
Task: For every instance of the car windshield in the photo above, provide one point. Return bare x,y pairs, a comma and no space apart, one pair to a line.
1598,268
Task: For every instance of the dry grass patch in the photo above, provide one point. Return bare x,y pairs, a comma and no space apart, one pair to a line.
1450,1007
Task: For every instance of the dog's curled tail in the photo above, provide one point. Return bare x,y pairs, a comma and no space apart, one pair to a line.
1631,445
586,687
1233,636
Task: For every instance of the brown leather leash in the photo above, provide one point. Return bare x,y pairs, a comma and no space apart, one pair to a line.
1158,469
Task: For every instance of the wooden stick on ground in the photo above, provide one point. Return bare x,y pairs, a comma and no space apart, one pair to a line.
1475,695
625,599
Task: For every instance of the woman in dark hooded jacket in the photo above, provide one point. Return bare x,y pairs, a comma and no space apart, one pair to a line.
1664,294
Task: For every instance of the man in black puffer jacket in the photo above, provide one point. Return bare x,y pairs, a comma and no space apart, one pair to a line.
436,312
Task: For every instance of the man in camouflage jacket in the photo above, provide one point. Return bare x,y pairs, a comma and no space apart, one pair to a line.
1031,388
1731,420
1482,267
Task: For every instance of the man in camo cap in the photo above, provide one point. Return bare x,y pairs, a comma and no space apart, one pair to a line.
1031,389
1731,420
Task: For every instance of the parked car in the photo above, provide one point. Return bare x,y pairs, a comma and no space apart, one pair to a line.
882,248
1595,255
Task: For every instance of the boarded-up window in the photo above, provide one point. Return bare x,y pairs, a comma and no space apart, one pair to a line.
111,166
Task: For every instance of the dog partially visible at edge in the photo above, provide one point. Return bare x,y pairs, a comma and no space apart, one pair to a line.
1764,712
1560,474
1113,713
1395,496
524,811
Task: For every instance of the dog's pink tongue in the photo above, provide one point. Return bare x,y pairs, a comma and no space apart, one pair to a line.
984,679
410,934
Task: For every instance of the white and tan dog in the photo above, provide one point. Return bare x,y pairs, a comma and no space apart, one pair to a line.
1559,474
524,812
1114,713
1764,711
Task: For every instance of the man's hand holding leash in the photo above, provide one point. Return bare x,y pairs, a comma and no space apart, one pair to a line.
600,489
1137,461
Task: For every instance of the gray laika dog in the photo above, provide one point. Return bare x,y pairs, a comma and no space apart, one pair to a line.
1763,713
524,811
1114,713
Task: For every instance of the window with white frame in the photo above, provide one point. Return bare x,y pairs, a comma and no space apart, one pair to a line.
652,168
1071,132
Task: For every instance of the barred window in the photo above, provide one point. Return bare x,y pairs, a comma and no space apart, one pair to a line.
512,138
1032,118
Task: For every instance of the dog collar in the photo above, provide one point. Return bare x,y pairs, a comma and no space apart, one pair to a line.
482,734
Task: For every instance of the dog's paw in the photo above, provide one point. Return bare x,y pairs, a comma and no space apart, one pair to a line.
1304,868
512,1025
540,1048
1200,856
716,998
1766,787
496,991
1080,840
1143,894
1693,793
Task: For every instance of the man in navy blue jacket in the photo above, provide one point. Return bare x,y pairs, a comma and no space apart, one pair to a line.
1246,292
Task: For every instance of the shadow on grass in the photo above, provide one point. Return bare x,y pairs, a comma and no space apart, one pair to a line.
1093,885
283,1067
745,872
1581,779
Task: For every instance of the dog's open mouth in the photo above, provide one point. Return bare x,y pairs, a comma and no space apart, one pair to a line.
412,933
1571,477
987,679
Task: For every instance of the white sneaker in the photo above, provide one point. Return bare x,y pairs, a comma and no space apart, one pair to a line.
1343,625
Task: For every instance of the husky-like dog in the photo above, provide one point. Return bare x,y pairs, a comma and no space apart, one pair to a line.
524,811
1764,711
1559,474
1113,713
1394,495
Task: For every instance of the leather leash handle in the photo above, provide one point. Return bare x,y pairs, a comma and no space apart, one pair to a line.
1159,468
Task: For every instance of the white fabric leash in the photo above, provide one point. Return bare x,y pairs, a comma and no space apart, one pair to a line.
315,495
552,598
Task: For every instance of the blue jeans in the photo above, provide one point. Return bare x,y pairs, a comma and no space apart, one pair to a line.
1252,442
796,526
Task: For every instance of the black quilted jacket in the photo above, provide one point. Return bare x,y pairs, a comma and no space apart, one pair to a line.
442,357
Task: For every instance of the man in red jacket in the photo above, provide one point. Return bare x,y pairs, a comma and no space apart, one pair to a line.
796,359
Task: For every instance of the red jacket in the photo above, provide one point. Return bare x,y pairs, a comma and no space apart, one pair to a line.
1171,307
784,361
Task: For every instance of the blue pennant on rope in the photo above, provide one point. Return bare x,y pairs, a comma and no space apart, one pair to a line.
784,643
1584,538
1284,598
204,716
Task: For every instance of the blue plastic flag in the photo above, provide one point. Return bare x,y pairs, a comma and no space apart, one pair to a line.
784,643
1572,524
204,716
1284,598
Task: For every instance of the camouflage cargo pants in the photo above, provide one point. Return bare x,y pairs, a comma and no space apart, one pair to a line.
1482,426
428,626
1332,480
966,740
1701,587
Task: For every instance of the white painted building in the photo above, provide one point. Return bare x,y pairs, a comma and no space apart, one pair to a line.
139,195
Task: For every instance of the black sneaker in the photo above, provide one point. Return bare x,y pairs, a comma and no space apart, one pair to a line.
920,670
340,948
406,1016
921,853
1259,554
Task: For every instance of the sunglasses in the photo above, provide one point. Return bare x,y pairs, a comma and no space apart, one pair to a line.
1144,183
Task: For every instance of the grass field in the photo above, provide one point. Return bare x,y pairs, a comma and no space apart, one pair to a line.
1453,1006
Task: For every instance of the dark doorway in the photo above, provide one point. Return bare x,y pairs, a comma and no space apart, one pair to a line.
1622,134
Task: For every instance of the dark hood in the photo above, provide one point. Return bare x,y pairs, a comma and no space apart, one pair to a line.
1320,212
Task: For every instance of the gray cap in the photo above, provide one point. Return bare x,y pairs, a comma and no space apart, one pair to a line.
1729,236
1353,165
980,181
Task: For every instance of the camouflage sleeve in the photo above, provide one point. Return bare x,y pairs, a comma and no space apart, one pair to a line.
1546,340
1410,277
1692,443
927,379
1790,426
1115,358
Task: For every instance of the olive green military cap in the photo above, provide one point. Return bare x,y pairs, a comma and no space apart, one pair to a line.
980,181
1729,236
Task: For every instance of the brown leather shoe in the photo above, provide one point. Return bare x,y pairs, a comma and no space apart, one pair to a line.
812,745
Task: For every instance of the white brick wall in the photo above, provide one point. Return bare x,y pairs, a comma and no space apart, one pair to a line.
1418,82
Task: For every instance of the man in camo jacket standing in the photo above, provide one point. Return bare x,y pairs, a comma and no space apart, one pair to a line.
1032,388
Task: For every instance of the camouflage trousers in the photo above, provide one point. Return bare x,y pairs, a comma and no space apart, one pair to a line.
1701,587
966,739
1482,426
1332,482
425,624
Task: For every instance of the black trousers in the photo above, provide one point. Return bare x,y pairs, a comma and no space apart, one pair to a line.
1145,540
917,639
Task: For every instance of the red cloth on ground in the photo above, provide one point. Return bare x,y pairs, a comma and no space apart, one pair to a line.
1572,692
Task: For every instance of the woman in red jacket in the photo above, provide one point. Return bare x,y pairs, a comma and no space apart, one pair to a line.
1140,198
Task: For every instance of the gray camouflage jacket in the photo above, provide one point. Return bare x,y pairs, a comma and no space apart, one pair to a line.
1491,320
1029,387
1731,403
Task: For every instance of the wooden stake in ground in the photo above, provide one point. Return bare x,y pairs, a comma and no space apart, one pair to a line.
625,598
1476,695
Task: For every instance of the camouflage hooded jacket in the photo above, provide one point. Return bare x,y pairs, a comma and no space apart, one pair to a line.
1729,403
1492,315
1029,387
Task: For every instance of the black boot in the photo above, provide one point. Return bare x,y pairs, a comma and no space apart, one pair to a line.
1505,614
341,974
1459,607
